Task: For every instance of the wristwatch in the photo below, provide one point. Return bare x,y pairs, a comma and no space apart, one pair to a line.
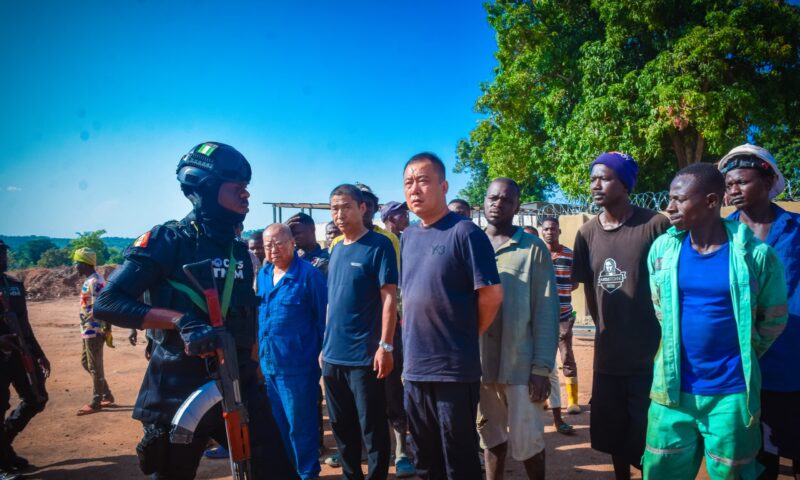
386,346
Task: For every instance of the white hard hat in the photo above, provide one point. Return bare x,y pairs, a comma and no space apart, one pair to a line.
762,154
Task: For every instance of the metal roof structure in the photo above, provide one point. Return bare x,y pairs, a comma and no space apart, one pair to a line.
277,209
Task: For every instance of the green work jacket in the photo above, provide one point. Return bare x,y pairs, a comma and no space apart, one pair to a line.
758,293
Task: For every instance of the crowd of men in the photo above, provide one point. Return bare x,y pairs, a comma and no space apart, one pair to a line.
449,332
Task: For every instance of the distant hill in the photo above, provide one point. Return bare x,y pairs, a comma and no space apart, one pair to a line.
14,241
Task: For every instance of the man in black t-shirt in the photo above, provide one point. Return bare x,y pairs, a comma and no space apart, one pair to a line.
451,294
610,259
357,349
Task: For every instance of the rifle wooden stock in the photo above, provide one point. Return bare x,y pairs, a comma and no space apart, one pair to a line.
226,376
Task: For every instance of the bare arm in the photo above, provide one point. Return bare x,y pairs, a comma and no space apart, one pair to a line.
490,298
389,312
384,361
160,319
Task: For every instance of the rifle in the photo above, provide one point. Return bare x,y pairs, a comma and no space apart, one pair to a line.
28,363
224,386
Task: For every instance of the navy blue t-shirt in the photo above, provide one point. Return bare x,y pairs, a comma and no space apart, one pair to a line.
442,267
711,360
356,273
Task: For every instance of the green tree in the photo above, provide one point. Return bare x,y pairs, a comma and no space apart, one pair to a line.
91,240
55,257
17,261
671,82
114,256
29,253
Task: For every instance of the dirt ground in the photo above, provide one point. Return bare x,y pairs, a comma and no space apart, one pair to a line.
102,446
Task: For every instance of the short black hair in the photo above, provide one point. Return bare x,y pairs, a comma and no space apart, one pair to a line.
461,202
350,190
437,162
707,175
510,182
256,236
302,218
551,219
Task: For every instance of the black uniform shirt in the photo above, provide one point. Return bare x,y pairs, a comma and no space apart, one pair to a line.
152,260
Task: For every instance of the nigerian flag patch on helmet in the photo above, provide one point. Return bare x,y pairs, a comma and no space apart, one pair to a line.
207,149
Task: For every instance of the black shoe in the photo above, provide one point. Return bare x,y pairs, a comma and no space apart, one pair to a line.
6,474
15,461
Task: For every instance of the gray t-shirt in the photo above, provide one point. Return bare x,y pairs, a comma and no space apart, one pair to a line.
442,267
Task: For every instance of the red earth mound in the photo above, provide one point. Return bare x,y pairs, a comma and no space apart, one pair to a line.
52,283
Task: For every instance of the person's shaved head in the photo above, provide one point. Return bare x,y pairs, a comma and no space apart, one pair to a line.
438,164
707,178
279,244
278,230
510,183
460,207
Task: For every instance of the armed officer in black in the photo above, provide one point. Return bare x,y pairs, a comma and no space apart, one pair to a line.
214,177
12,370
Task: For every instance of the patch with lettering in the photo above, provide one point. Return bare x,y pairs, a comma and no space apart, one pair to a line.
220,268
611,278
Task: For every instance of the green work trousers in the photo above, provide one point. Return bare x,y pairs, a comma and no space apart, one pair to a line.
717,426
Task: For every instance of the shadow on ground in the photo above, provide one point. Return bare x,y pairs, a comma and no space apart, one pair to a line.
81,468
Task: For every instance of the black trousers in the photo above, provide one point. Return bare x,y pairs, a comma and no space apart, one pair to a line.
13,373
357,406
441,417
268,454
618,423
395,409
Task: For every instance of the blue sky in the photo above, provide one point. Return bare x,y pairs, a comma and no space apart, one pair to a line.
100,99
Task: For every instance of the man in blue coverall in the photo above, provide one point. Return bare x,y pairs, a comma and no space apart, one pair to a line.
291,323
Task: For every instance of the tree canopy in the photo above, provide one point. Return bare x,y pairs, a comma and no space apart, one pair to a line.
91,240
670,82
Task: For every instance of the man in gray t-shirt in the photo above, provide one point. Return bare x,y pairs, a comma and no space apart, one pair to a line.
451,294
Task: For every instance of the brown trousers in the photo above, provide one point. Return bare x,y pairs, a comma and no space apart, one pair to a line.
92,361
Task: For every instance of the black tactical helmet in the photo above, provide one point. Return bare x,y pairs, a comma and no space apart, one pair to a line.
212,162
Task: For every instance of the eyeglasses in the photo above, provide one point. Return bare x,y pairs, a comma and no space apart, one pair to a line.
276,244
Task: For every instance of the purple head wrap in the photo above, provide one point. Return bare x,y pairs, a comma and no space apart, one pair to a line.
623,165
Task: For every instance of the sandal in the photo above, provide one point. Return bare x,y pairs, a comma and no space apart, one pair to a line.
87,410
107,403
565,428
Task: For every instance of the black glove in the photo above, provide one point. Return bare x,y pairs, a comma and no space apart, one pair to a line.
198,336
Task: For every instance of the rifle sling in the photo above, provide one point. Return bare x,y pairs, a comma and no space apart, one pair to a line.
227,290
